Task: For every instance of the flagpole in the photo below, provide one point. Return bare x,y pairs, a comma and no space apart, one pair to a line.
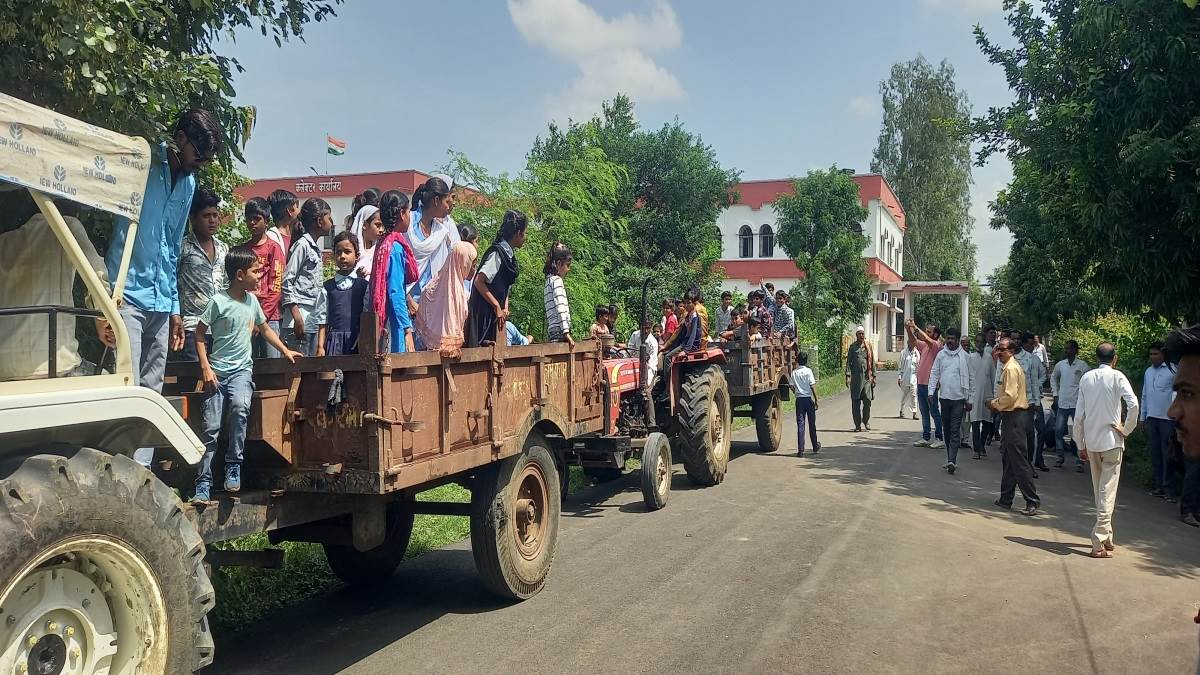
326,153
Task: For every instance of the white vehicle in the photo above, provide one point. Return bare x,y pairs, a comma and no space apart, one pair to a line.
101,568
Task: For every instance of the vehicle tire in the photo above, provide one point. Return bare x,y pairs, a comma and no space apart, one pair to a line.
515,506
602,474
768,421
101,571
656,471
705,417
364,568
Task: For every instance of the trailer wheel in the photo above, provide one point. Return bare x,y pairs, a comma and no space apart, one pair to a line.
656,471
100,570
602,474
363,568
515,507
705,417
768,421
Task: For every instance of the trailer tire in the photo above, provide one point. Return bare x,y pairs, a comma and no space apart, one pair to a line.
602,474
365,568
514,547
656,471
100,568
768,421
705,419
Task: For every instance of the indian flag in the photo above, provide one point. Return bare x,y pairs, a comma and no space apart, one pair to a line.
335,147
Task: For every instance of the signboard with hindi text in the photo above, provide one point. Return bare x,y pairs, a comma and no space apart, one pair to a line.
64,157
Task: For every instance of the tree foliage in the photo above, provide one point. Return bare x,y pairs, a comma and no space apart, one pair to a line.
817,230
927,161
1104,136
133,65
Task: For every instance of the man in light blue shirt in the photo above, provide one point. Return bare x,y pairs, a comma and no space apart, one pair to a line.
150,304
1157,395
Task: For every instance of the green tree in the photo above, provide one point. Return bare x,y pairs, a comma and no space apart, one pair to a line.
816,229
927,161
670,196
1104,136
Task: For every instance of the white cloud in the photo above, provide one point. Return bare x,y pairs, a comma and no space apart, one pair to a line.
863,106
612,54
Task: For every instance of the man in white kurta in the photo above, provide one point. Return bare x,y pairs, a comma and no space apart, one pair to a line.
1100,432
910,358
983,373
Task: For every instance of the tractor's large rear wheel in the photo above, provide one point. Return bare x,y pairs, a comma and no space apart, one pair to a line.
768,421
705,418
100,570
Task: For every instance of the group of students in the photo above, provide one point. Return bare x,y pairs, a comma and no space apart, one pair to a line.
407,262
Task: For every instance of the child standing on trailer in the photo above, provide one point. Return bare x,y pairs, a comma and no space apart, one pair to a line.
340,306
488,308
391,273
201,267
302,281
272,258
231,316
554,295
285,213
600,325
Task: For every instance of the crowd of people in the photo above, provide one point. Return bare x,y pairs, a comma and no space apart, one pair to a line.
969,397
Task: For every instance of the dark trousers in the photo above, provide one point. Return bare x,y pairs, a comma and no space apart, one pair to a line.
928,411
1158,444
981,432
806,411
1018,472
1190,501
860,408
188,353
952,417
1033,435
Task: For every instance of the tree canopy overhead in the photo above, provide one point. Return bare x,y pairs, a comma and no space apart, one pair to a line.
1104,136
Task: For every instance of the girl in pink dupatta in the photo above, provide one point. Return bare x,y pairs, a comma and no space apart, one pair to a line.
394,268
443,312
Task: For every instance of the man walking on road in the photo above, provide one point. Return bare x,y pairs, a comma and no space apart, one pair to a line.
950,381
1064,386
803,385
860,378
1100,433
928,346
983,372
1035,373
1011,404
1157,394
910,358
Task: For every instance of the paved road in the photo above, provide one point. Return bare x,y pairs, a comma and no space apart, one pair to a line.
865,558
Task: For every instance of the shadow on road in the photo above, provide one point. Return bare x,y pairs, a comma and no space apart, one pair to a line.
1141,523
356,624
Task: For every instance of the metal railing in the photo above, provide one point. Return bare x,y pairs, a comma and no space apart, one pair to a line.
51,312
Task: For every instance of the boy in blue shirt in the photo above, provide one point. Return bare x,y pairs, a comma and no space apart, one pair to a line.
231,316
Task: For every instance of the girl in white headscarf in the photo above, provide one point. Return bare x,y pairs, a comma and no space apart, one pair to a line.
368,229
433,232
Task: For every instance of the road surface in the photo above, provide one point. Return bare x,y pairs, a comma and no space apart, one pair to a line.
866,558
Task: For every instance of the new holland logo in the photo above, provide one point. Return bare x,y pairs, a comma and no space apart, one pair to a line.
15,131
99,162
98,172
59,182
60,174
60,125
135,198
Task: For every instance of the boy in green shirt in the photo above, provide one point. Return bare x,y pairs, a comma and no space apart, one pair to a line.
231,316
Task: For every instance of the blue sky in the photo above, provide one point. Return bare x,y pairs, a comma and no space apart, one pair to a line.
777,88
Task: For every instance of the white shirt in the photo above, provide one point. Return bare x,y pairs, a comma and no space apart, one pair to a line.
1158,391
1040,352
1064,381
802,381
1099,407
983,374
635,345
909,360
35,271
952,373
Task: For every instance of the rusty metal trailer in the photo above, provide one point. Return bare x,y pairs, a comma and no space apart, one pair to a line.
757,373
338,447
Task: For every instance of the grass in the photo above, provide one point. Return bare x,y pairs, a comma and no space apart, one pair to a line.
830,386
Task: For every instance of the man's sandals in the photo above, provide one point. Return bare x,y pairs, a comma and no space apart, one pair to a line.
1103,552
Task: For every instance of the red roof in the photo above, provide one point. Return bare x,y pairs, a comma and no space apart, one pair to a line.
346,185
756,193
755,271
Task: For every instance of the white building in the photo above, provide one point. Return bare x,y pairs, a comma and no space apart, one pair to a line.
751,256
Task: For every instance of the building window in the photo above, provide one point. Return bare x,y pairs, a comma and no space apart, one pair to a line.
745,242
766,246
